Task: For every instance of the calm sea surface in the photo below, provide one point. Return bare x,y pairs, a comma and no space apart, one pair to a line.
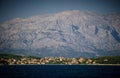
59,71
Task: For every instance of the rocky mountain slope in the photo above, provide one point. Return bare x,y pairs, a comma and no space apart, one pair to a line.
69,34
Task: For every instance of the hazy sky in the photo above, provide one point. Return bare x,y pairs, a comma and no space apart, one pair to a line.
10,9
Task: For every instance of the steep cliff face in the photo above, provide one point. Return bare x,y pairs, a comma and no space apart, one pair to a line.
69,34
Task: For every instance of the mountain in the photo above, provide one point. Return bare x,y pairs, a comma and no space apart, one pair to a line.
71,33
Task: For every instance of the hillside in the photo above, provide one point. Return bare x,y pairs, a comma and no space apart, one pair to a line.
69,34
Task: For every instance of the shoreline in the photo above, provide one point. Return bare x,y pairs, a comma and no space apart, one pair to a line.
66,64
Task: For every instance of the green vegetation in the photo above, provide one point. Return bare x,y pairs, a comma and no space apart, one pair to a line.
32,57
7,56
107,60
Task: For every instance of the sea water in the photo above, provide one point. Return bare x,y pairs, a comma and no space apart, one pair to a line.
59,71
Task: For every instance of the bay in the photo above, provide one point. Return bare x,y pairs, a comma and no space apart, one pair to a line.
59,71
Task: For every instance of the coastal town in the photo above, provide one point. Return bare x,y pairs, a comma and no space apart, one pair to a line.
47,60
20,60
